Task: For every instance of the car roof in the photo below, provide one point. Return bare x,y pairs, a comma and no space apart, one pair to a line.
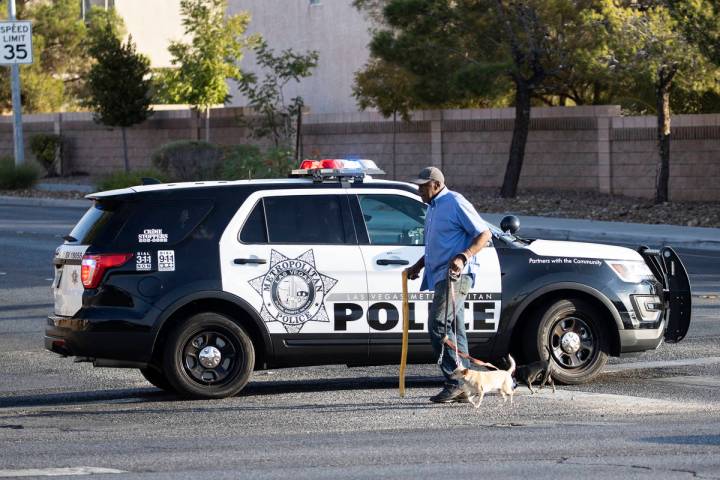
250,184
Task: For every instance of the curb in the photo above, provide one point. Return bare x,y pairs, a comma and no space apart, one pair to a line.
43,202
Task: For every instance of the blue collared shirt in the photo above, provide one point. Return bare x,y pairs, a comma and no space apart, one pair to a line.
451,224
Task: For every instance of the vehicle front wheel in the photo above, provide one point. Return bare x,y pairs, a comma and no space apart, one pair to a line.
208,356
575,336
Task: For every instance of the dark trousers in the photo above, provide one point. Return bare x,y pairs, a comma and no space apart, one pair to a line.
441,324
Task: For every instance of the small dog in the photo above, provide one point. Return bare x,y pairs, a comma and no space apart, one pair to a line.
532,372
478,383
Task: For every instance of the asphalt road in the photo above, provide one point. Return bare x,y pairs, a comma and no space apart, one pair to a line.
656,415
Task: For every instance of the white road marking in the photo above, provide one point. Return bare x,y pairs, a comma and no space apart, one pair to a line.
662,364
609,402
56,472
702,382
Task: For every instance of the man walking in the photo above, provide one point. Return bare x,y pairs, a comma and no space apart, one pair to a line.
454,234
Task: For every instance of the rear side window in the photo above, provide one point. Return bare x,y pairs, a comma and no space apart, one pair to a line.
91,224
254,230
306,219
100,224
163,222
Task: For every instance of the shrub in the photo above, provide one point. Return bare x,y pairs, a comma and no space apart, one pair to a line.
280,162
46,147
16,178
242,162
188,160
122,179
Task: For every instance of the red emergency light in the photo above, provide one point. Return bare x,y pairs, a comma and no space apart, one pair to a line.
337,168
324,163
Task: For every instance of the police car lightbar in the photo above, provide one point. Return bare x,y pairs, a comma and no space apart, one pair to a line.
330,168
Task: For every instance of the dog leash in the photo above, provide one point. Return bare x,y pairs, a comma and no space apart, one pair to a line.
450,298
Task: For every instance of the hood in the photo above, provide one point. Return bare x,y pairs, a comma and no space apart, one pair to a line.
551,248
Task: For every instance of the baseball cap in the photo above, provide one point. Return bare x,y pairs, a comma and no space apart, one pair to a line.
427,174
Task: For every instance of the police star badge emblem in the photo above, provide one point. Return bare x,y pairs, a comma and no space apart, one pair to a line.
293,291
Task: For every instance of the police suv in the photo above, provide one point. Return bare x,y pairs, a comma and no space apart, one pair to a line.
198,284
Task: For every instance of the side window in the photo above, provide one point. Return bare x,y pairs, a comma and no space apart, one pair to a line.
163,222
393,219
311,219
254,229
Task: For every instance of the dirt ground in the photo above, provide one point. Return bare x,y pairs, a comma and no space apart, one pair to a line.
598,206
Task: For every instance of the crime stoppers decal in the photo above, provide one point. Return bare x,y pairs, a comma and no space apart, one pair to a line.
293,291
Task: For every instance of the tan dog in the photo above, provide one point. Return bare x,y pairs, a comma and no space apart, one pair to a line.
477,383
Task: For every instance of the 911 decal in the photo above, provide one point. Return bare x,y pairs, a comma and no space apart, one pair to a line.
293,291
166,260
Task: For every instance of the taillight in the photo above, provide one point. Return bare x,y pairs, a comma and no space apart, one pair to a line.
94,266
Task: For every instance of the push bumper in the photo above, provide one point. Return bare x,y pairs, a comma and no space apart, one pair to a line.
671,273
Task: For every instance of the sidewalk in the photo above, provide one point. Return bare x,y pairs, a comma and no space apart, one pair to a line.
532,227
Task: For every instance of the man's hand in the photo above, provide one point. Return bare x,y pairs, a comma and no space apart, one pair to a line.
413,272
456,264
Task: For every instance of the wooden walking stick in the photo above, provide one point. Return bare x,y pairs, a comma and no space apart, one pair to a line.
406,327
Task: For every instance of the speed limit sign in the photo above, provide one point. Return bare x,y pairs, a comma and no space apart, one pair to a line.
15,42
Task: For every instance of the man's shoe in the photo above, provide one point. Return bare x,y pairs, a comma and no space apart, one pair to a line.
462,398
449,395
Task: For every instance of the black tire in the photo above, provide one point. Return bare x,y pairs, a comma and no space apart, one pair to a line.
576,337
157,378
208,356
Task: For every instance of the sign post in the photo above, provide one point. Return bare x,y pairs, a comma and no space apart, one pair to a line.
16,49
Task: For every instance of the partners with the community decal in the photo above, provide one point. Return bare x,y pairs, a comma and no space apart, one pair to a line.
293,291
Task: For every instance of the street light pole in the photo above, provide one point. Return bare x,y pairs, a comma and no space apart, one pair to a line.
16,101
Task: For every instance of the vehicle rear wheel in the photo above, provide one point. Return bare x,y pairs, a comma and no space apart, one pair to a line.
573,332
157,378
208,356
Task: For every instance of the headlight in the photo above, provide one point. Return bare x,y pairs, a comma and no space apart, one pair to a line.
630,271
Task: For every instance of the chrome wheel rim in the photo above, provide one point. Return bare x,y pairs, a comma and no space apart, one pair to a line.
573,343
211,357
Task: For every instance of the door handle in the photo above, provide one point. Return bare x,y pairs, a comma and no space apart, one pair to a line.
388,261
244,261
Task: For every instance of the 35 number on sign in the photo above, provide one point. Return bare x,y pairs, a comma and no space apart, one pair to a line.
14,52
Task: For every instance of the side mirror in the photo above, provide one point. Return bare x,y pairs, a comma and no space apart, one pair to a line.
510,224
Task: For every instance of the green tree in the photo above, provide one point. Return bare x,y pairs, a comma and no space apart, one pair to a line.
56,79
387,88
202,67
277,117
466,50
118,84
649,47
700,20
